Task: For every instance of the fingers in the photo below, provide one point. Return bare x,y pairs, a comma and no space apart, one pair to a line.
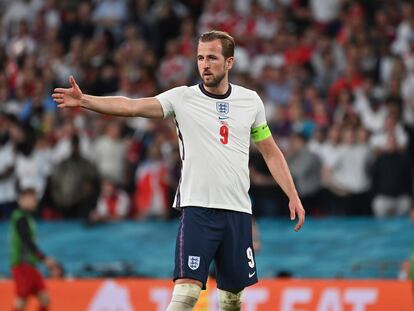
299,224
58,95
301,221
292,214
58,98
60,102
62,95
60,90
296,209
73,82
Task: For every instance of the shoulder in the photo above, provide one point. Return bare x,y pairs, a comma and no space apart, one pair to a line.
175,93
17,213
180,89
240,91
19,219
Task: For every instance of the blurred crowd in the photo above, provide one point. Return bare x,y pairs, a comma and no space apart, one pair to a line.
336,78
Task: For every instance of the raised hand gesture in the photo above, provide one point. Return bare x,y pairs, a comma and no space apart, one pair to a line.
70,97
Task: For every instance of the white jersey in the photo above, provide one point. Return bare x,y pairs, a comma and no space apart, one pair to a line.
214,138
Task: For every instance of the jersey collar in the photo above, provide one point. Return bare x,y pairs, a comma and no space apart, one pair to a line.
215,96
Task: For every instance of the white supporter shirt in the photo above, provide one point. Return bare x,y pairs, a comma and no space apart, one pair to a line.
32,171
121,207
214,139
7,185
350,168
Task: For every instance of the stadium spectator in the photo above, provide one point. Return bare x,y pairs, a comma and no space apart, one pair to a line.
8,194
110,14
277,88
373,114
152,178
267,56
21,43
109,153
328,60
113,204
306,170
347,175
175,68
65,143
38,110
404,28
392,177
380,140
325,13
73,183
32,161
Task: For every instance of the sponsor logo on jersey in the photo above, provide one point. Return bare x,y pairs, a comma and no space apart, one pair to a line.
223,117
193,262
222,107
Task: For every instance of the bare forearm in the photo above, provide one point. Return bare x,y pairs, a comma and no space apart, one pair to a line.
72,97
113,105
123,106
280,171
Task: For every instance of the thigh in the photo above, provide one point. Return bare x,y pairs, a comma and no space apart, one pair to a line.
235,259
37,281
199,236
22,280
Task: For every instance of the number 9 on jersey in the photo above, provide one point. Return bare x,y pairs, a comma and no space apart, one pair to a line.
224,133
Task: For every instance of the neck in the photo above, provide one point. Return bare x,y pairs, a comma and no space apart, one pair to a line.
222,94
217,90
220,89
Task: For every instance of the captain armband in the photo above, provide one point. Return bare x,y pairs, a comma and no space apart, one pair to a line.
260,133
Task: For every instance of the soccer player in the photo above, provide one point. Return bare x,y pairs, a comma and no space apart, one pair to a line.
215,121
25,254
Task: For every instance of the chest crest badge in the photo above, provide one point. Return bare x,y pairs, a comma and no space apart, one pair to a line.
222,107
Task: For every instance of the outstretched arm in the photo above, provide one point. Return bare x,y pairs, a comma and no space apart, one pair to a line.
24,233
72,97
279,169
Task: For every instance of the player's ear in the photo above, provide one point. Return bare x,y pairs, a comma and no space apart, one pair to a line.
229,62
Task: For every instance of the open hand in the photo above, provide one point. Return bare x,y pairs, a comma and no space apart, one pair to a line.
69,97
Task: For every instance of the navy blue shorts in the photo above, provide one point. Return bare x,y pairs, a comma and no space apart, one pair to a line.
208,234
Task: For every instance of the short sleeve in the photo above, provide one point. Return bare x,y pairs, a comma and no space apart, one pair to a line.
169,99
260,118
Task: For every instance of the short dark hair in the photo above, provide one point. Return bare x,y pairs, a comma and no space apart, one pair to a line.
27,190
227,41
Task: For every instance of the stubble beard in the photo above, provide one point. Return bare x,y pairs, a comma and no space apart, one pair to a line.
215,81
